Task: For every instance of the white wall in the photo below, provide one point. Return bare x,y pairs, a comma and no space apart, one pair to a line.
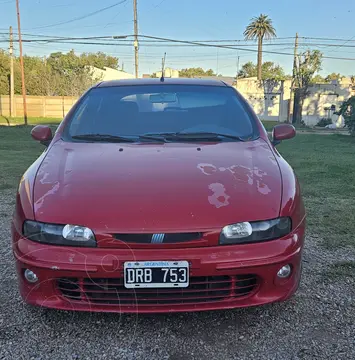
271,100
169,73
107,74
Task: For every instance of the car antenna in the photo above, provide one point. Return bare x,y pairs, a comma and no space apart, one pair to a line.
162,68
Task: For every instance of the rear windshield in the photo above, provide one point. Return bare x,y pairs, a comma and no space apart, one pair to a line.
138,110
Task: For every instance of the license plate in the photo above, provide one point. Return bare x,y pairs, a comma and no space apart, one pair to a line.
156,274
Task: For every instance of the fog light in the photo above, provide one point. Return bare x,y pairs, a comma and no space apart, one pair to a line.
284,272
30,276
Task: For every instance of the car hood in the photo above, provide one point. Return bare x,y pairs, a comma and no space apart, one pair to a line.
157,187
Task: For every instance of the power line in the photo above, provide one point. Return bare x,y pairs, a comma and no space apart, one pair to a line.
159,4
150,42
324,39
48,38
202,41
190,45
110,22
163,42
81,17
231,48
244,40
110,36
214,40
153,41
210,40
343,45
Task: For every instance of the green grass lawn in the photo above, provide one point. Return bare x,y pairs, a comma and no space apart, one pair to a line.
5,120
17,151
269,124
324,164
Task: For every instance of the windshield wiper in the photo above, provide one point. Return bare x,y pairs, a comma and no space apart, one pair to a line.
207,135
155,137
161,137
200,135
104,137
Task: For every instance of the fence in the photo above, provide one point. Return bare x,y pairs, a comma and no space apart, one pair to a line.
38,106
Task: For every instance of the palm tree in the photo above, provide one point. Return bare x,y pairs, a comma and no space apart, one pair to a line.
260,28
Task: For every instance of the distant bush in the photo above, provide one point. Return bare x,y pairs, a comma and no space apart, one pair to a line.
324,122
347,110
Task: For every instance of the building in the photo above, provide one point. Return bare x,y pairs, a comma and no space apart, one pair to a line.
230,80
168,73
271,99
106,74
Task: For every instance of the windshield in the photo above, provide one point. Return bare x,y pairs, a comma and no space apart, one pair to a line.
161,110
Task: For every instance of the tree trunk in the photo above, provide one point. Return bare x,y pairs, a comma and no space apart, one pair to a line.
297,107
260,56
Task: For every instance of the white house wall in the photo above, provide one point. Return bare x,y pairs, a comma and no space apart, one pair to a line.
271,102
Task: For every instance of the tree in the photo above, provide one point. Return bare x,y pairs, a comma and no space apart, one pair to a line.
5,74
259,29
195,72
333,76
269,71
307,64
60,74
347,110
35,71
99,60
71,75
318,79
249,69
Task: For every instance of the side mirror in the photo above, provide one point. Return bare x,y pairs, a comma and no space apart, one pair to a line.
282,132
43,134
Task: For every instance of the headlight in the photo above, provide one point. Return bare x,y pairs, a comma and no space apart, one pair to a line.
245,232
71,235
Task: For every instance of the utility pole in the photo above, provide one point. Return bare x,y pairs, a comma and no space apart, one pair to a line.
135,37
12,91
294,70
236,78
21,63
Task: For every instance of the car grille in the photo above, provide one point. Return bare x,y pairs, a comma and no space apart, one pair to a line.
111,291
169,238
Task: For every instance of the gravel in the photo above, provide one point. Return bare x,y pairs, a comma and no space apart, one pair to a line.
318,323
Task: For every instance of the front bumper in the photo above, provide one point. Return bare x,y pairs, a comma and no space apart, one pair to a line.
224,277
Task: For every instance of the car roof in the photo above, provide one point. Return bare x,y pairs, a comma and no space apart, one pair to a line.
167,81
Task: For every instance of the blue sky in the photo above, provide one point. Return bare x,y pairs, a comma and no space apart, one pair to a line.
189,20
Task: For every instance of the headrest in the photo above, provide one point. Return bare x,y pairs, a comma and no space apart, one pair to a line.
128,107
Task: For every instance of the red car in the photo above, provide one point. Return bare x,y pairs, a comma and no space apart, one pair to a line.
159,195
